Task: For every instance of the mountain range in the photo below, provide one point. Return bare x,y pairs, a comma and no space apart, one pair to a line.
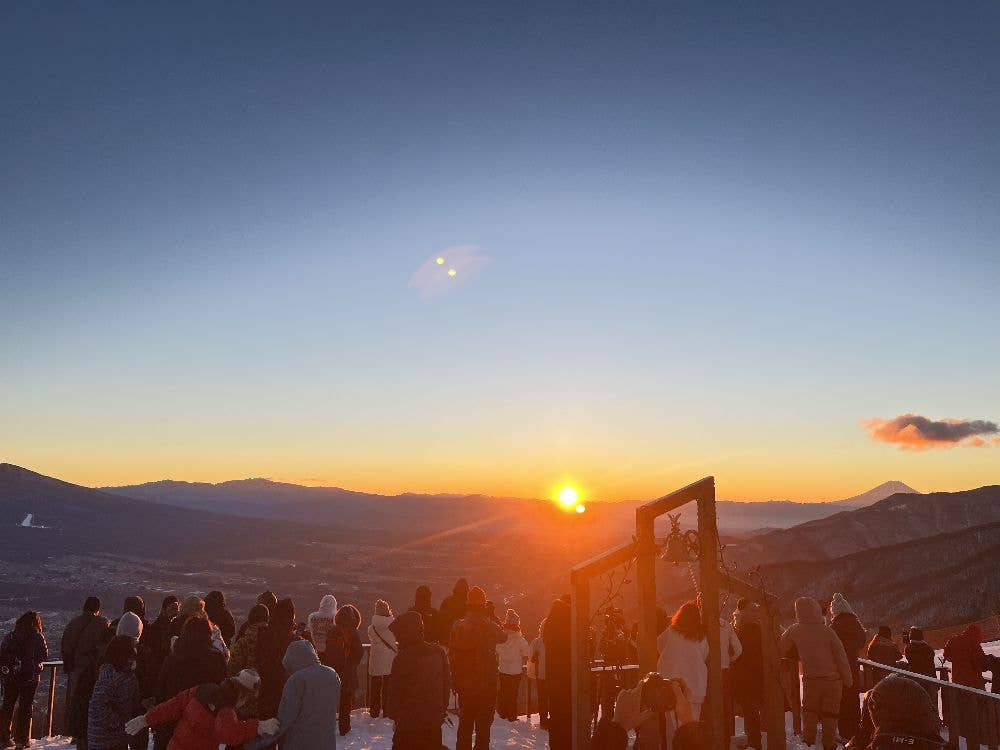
901,557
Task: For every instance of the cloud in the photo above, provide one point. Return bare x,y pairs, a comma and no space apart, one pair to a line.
916,433
448,269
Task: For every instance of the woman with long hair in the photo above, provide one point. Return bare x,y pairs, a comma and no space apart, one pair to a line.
683,651
21,655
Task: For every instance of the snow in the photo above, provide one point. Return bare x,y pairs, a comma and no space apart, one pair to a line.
376,734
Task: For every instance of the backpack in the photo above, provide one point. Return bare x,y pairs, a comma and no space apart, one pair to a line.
11,664
472,654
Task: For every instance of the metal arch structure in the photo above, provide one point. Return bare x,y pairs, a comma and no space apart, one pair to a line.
644,549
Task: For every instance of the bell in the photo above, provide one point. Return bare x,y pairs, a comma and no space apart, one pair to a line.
677,549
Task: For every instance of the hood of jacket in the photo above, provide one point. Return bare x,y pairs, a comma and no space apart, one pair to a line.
808,611
408,628
129,624
298,656
327,607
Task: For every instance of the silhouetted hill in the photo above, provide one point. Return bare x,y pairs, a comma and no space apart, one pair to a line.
934,581
897,519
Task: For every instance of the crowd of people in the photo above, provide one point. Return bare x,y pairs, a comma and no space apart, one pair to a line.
194,681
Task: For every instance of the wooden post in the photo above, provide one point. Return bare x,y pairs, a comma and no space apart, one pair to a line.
774,695
646,580
708,535
581,661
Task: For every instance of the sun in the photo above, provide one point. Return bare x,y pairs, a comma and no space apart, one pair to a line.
568,497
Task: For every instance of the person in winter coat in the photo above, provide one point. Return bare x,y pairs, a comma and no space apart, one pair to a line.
269,600
205,716
194,661
116,696
920,659
558,668
272,642
882,649
965,652
320,622
418,688
473,658
536,669
901,712
244,656
683,651
748,669
422,606
219,614
512,655
154,646
343,653
848,627
305,719
22,653
452,610
380,655
82,643
825,670
130,626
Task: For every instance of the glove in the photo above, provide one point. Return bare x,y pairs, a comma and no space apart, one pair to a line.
268,726
136,725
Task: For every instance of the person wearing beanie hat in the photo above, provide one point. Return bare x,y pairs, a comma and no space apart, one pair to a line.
900,713
129,624
474,669
852,635
840,606
513,655
320,622
419,686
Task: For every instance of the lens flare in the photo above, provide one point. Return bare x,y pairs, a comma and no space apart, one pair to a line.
452,271
581,509
440,261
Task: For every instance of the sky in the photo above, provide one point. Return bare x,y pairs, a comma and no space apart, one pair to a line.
689,239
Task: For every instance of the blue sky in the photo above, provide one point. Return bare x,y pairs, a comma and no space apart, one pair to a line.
719,236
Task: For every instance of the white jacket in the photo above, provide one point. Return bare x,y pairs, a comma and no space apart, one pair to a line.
513,652
380,655
730,642
680,657
320,623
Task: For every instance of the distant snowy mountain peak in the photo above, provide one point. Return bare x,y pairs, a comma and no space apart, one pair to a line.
877,494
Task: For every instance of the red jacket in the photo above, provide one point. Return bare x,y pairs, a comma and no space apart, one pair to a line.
198,728
965,652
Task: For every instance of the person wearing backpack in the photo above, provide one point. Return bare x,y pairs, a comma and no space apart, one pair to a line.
81,646
472,653
380,656
21,655
343,652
